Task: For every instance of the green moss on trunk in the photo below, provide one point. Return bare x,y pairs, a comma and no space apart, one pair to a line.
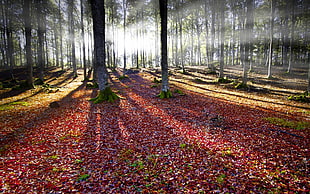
164,94
106,95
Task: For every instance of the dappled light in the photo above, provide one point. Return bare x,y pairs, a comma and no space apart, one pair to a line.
154,96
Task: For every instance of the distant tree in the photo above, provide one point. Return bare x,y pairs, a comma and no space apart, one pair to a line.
41,32
72,35
247,39
98,15
28,27
271,38
222,19
165,91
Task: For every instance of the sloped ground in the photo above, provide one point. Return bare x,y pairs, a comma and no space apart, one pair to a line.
209,140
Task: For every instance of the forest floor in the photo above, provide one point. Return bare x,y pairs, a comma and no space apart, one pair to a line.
209,138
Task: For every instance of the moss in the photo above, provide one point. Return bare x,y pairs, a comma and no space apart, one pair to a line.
241,86
287,123
106,95
154,86
224,80
178,92
300,97
164,94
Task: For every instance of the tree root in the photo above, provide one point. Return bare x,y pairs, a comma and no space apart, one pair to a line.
106,95
164,94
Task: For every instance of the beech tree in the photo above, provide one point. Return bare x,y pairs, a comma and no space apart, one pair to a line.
165,91
98,15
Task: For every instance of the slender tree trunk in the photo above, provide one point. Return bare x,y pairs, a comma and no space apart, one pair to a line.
72,37
124,26
271,39
289,69
83,41
221,74
60,36
27,22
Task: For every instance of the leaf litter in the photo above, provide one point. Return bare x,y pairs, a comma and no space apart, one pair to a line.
192,143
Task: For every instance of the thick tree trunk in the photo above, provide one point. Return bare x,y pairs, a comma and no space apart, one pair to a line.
105,92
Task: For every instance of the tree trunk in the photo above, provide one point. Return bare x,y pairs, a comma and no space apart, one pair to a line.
165,91
27,23
221,74
40,18
271,39
289,69
83,42
98,14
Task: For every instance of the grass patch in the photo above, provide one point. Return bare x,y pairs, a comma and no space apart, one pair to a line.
199,81
304,97
178,92
287,123
12,105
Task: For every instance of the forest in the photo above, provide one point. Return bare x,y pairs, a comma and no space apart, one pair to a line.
154,96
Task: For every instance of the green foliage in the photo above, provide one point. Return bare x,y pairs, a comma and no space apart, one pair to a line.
38,81
11,105
164,94
83,177
304,97
78,161
154,86
224,80
106,95
123,77
221,178
1,85
290,124
241,86
182,145
138,164
178,92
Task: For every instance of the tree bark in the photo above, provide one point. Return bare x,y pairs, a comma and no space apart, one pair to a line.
27,23
165,91
271,39
98,14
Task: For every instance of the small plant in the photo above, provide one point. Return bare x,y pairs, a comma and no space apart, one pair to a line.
221,178
78,161
300,97
54,157
123,77
83,177
182,145
138,164
154,86
224,80
179,92
241,86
